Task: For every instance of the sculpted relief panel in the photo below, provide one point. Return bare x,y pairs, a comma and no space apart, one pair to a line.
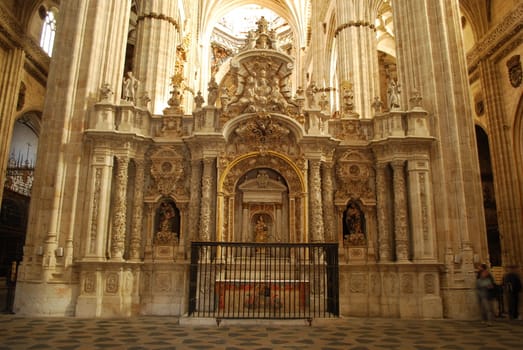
355,175
169,172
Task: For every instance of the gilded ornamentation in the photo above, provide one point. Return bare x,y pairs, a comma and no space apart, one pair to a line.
259,82
267,161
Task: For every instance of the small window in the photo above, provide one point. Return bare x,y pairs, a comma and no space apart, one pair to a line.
48,32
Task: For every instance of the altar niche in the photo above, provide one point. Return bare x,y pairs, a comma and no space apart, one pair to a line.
354,225
167,223
261,207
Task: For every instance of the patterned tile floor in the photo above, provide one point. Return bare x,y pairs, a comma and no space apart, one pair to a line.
167,333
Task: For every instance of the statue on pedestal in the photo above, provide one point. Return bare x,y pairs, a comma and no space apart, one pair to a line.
212,92
130,87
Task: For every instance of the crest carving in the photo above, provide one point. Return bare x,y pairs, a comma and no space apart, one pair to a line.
167,172
258,80
355,177
515,73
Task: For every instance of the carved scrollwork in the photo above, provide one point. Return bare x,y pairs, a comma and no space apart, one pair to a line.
355,176
168,170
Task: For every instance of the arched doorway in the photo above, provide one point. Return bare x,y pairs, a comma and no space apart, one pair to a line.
262,190
16,197
262,207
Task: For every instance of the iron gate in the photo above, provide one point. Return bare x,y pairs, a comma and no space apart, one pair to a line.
264,280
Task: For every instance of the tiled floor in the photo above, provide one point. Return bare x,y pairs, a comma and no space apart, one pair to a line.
167,333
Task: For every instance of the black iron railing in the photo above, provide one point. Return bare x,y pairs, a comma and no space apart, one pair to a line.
264,280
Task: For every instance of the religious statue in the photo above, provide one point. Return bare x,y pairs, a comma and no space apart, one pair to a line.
354,232
251,40
224,98
130,87
166,217
393,94
311,94
198,100
212,92
260,231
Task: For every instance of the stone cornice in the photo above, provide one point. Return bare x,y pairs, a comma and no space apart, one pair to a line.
497,37
16,37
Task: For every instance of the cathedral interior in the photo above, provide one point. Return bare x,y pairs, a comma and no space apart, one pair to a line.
146,142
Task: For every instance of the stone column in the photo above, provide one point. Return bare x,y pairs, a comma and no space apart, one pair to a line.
384,234
401,234
120,208
9,86
357,55
117,21
506,184
194,206
317,43
100,197
443,82
155,56
205,207
421,210
137,223
328,202
315,202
